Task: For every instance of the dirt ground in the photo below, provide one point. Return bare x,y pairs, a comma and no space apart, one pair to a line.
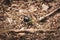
30,20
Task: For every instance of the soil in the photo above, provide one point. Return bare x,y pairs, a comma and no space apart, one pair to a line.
13,26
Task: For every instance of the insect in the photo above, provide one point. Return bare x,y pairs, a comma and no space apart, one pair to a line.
26,19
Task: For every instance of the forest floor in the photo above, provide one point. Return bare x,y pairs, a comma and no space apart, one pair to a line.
42,20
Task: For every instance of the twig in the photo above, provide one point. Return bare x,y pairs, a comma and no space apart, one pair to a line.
31,31
42,18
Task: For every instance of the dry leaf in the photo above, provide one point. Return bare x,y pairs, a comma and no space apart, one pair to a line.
44,7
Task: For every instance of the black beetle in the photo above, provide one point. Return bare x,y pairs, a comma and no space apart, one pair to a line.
26,19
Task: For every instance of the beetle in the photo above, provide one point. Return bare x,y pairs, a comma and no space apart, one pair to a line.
26,19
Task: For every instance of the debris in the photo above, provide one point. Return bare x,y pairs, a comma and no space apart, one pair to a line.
23,20
32,8
14,5
21,34
9,20
23,11
44,7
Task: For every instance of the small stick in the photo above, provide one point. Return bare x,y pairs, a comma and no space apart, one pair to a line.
42,18
31,31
